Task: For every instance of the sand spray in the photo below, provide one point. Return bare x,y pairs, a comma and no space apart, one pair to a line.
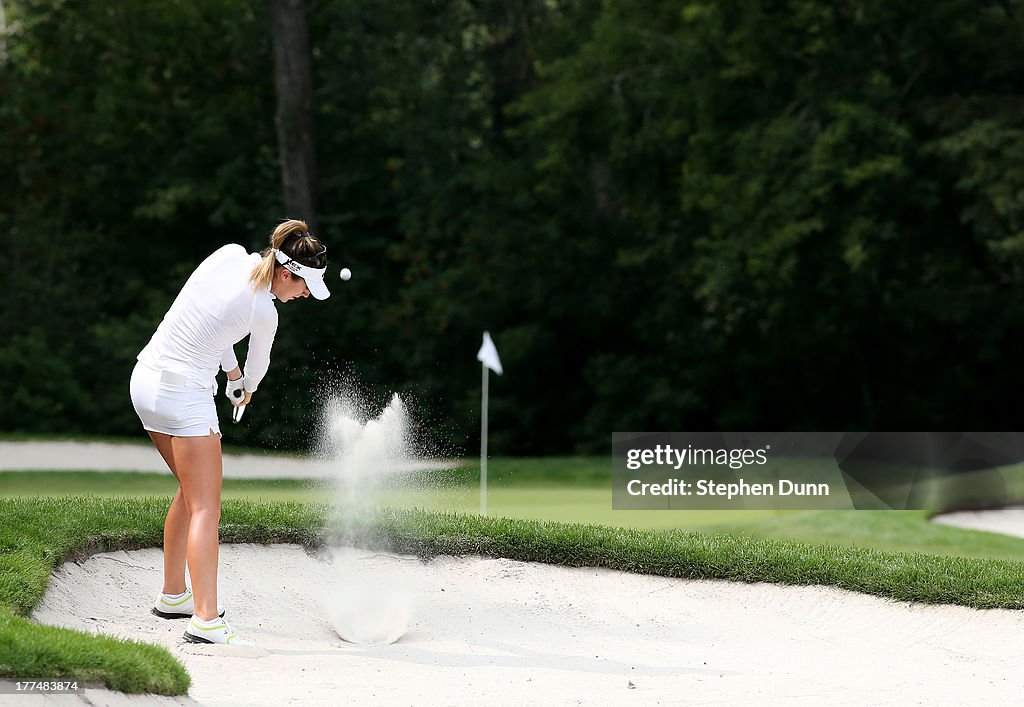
369,454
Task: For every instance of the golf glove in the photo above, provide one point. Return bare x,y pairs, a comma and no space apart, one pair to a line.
235,391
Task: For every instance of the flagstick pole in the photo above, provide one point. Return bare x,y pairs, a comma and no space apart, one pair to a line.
483,444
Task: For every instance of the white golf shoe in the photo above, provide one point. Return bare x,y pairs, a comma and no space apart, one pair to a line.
180,606
216,631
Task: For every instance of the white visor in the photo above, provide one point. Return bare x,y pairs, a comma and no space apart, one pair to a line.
314,277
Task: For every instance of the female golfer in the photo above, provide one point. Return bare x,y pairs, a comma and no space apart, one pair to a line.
229,296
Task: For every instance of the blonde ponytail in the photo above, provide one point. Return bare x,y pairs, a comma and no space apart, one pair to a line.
263,274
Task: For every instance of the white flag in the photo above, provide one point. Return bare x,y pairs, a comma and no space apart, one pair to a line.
488,355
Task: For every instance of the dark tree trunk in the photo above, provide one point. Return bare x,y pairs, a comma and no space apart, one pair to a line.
293,80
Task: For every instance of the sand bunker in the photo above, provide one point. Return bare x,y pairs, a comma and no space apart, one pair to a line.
1006,521
497,631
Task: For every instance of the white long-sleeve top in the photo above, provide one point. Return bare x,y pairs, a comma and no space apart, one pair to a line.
216,309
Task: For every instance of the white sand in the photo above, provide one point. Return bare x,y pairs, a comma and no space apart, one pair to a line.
1007,521
487,631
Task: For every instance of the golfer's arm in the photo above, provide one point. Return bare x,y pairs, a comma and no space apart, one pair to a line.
257,361
229,363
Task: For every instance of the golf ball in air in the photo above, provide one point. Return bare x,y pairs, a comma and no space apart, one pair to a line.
346,274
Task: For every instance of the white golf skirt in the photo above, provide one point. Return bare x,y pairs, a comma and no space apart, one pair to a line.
167,402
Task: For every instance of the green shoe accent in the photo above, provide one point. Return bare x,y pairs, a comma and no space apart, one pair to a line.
188,595
202,628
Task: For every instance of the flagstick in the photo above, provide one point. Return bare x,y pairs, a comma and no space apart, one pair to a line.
483,445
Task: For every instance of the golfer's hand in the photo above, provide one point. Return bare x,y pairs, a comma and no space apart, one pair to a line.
246,397
235,392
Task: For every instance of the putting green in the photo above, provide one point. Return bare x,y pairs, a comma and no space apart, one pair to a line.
577,500
539,500
573,504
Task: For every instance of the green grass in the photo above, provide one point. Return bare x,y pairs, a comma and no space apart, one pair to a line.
533,471
529,490
532,497
896,531
37,534
565,504
28,649
111,484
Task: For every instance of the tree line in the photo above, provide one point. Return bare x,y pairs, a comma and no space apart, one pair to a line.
731,215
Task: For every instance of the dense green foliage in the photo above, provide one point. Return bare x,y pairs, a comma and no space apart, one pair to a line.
779,214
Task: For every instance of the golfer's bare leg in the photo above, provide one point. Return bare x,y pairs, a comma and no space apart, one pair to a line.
200,472
176,525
